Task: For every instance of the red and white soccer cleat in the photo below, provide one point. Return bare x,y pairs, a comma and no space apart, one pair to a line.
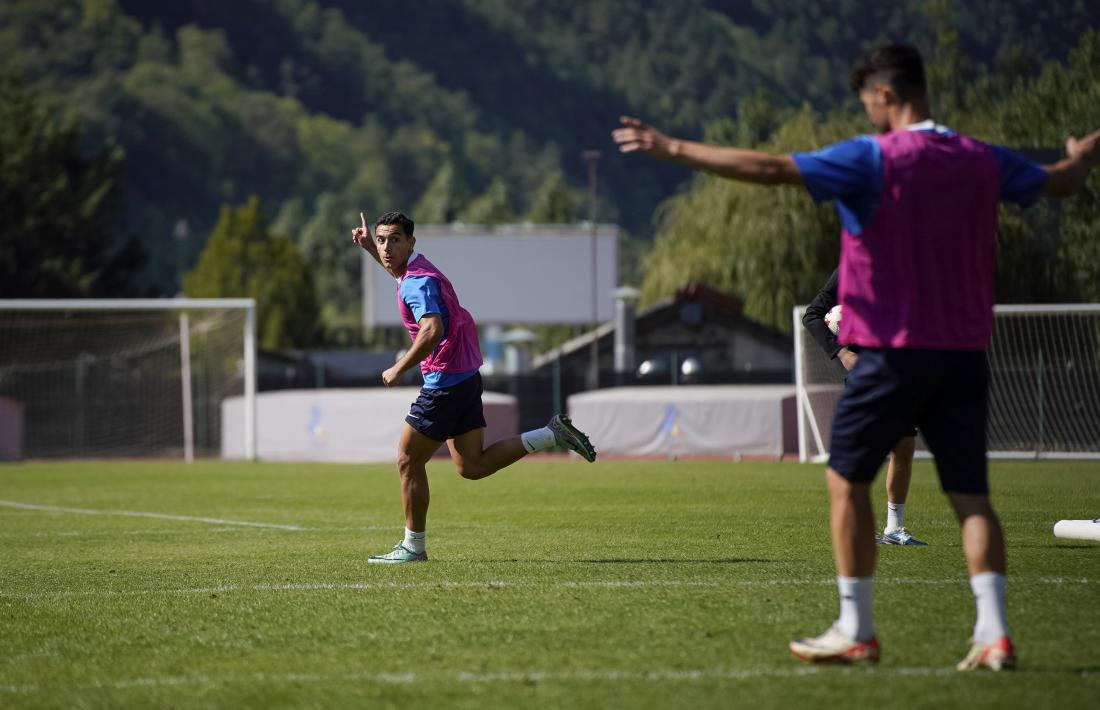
835,647
996,656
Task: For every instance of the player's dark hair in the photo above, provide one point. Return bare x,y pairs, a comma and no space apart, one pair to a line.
899,65
399,219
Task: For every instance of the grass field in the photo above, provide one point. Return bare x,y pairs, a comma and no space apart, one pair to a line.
552,584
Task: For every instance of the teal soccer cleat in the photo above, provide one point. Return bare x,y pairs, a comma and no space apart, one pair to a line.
900,536
570,437
398,555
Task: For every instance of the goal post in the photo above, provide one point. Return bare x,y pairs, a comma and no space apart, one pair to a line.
1044,398
819,381
87,378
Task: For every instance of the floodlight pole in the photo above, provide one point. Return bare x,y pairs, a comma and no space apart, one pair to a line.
593,157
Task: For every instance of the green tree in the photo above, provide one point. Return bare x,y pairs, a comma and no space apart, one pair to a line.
54,238
243,258
444,198
490,207
948,73
1043,258
338,268
552,202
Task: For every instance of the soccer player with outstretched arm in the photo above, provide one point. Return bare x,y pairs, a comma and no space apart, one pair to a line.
449,409
918,205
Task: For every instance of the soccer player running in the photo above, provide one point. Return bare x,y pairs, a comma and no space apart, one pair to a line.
449,408
918,205
899,472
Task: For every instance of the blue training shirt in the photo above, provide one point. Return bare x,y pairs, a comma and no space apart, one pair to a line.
421,294
850,172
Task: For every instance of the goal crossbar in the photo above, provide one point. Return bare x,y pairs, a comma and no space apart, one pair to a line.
123,304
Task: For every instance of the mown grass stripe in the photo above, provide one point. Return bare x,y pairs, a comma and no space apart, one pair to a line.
503,584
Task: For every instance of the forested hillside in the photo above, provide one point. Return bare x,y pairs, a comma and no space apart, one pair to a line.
472,110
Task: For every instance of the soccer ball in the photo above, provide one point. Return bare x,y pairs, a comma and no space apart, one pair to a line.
832,319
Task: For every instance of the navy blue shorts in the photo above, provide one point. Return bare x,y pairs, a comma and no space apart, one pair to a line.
448,412
945,392
910,430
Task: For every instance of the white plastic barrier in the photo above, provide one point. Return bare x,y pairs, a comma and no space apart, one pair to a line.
715,421
341,424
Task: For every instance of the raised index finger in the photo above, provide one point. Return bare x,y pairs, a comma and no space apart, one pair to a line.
363,220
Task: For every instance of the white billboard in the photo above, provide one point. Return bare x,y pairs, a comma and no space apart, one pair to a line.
510,273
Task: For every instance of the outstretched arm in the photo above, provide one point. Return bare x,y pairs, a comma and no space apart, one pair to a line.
1068,175
734,163
362,237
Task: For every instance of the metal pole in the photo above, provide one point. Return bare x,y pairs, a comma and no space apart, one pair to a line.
799,405
185,387
593,156
250,383
555,379
624,333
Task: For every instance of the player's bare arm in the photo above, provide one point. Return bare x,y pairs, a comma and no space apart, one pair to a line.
361,235
1068,175
847,358
427,338
735,163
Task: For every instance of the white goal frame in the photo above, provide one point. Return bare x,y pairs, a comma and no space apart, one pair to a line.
813,437
182,305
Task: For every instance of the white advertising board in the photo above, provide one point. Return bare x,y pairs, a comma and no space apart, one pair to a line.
510,273
340,424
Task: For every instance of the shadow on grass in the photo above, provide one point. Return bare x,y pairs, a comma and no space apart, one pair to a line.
728,561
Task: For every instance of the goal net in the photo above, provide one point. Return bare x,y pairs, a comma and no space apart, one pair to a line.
126,377
1044,384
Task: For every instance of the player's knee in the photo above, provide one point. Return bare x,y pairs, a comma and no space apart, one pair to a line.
841,486
472,470
969,505
406,463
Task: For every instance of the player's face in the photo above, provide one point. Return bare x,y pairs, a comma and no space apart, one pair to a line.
876,103
394,246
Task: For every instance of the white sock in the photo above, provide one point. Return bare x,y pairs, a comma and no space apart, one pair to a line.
414,541
895,516
856,619
538,439
989,596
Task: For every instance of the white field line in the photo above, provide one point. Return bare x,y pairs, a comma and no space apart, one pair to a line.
500,677
139,514
501,584
181,531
